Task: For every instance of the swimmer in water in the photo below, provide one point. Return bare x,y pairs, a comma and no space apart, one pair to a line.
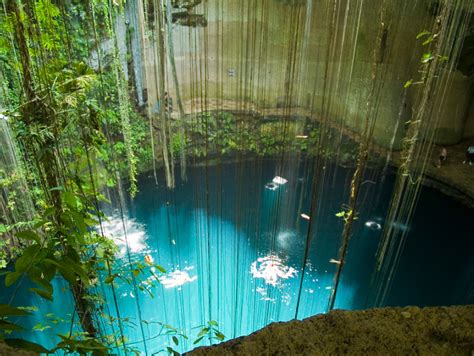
372,225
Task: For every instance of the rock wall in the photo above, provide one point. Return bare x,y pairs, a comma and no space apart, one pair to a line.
345,60
381,331
451,108
469,125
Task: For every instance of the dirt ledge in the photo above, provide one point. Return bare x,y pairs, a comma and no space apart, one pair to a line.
382,331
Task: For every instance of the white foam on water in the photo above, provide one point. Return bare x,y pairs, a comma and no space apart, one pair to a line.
272,269
279,180
176,278
135,235
271,186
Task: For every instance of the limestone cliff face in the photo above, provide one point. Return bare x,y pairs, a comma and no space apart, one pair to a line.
382,331
469,127
320,54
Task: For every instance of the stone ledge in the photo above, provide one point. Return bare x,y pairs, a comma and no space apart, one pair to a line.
381,331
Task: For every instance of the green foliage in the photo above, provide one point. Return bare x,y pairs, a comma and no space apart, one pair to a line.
209,331
178,143
26,345
224,133
422,34
408,83
64,116
427,57
6,325
346,214
83,345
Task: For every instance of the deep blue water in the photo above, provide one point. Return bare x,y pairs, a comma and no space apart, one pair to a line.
233,251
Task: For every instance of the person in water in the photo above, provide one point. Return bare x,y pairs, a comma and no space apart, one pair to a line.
443,155
469,155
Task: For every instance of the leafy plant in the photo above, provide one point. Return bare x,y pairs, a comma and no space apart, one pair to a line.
209,331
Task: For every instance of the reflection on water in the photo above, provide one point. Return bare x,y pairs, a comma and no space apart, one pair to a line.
286,238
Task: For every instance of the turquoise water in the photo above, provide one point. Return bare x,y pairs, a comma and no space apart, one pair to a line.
233,252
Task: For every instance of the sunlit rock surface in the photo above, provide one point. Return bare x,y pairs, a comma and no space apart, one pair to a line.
383,331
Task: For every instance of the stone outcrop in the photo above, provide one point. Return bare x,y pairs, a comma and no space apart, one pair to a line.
381,331
341,57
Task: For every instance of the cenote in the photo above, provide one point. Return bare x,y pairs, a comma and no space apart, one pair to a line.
175,174
232,246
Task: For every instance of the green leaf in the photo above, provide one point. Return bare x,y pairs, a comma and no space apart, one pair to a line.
11,278
6,325
110,279
3,228
29,309
28,258
204,331
170,327
220,335
77,268
57,188
159,268
429,40
41,327
91,222
69,199
213,323
42,293
26,345
68,275
175,340
78,220
28,235
8,310
427,57
423,33
40,223
49,211
443,58
48,270
171,351
408,83
198,340
37,276
340,214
